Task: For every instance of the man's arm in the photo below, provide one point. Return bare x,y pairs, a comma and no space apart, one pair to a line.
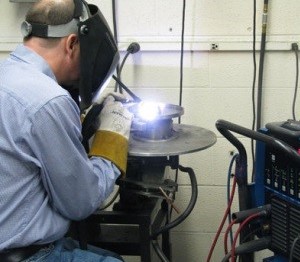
75,184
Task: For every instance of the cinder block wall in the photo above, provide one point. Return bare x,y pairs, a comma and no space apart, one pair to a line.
217,84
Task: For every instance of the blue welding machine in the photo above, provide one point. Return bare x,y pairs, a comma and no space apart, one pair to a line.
276,184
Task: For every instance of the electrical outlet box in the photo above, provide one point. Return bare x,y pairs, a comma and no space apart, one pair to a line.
214,46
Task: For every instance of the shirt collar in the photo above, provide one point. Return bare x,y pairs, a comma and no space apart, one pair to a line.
29,56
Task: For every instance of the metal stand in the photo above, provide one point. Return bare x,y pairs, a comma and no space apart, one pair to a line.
129,232
139,223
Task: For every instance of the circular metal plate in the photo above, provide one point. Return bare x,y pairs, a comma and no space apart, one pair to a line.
188,139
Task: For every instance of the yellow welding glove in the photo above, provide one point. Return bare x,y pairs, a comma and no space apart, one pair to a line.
111,139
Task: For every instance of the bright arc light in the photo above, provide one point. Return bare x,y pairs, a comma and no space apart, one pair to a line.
149,111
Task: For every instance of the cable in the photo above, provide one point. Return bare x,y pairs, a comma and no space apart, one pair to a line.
182,217
181,74
189,208
251,246
111,201
242,225
295,48
159,251
181,56
253,86
173,195
222,223
293,247
229,229
250,234
181,81
115,27
242,215
192,201
228,191
261,63
114,20
135,98
133,48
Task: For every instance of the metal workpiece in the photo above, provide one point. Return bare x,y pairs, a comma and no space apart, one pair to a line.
185,139
154,134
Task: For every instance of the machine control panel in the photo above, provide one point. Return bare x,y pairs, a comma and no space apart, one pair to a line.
282,188
281,174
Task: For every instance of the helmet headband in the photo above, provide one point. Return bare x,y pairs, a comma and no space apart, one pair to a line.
57,31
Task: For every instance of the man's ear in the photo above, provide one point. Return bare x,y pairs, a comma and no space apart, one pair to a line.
72,44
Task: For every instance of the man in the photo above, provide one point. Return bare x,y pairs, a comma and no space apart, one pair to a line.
47,178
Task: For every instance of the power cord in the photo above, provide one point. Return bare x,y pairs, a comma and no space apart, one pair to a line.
293,247
181,78
245,217
261,64
295,49
251,246
236,236
158,251
115,26
115,196
189,208
253,86
229,229
180,218
229,176
240,216
222,222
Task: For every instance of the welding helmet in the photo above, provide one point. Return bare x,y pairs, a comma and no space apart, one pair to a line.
99,54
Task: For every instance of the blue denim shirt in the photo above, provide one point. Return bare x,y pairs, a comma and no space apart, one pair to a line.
46,177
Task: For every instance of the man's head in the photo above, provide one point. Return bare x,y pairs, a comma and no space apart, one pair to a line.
75,40
51,12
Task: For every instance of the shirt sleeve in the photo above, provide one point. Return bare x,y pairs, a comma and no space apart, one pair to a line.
76,185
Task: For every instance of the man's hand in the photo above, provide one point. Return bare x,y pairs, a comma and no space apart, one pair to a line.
115,117
111,138
116,96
